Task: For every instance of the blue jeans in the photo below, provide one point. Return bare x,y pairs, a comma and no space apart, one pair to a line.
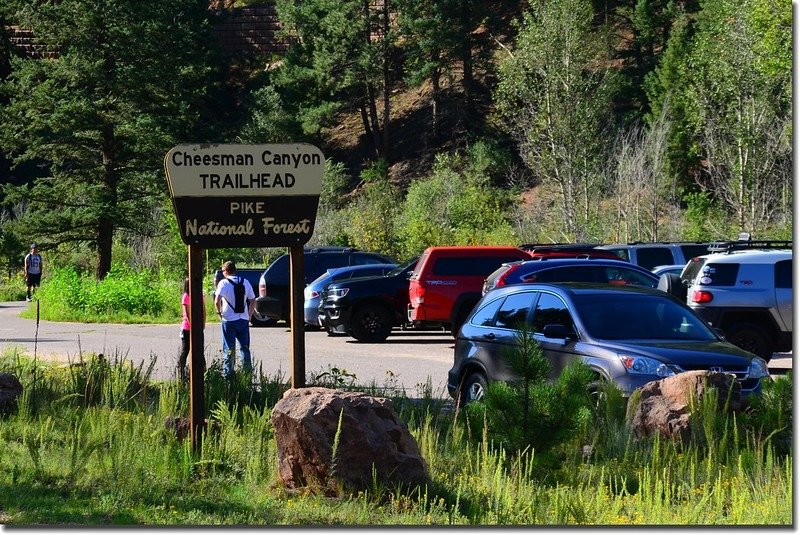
231,332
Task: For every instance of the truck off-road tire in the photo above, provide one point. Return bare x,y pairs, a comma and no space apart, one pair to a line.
472,389
673,285
750,337
371,323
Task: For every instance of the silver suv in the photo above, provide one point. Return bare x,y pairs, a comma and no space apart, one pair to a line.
744,288
650,255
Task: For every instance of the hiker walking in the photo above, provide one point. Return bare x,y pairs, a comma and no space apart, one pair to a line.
33,270
235,301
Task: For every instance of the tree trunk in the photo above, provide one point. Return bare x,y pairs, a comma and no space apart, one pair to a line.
386,101
365,120
466,56
436,75
373,116
109,201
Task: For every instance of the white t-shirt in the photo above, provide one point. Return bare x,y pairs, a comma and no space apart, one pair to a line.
225,291
34,262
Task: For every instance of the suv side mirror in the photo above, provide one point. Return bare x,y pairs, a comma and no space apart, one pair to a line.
557,330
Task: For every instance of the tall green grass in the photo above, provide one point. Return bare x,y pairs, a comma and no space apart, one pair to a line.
88,446
123,296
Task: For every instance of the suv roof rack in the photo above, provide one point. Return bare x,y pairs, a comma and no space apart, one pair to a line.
547,247
327,249
744,242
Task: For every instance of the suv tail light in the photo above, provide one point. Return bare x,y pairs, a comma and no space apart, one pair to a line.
262,290
501,280
702,296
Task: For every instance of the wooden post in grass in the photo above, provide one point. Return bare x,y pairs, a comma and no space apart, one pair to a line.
196,342
296,316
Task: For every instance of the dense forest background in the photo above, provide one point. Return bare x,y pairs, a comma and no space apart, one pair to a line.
443,121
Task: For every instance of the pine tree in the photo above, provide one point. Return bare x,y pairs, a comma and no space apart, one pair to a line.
124,85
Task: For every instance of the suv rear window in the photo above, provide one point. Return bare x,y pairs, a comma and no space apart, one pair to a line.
468,266
567,274
650,257
718,275
622,253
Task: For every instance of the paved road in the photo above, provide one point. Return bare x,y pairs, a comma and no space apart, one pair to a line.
406,359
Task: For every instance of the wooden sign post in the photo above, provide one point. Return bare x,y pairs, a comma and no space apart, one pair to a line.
243,196
197,361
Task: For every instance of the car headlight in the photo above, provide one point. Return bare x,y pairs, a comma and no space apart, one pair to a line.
337,293
758,368
638,365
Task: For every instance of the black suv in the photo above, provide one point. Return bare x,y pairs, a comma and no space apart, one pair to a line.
368,307
273,287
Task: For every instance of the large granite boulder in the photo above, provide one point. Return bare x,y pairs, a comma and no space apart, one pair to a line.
373,444
665,406
10,391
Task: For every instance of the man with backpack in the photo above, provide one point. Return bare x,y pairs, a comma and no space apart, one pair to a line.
235,302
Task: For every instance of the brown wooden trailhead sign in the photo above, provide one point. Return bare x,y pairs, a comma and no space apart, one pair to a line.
236,195
245,195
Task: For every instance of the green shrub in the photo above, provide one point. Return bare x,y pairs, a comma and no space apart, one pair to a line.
534,412
123,296
13,290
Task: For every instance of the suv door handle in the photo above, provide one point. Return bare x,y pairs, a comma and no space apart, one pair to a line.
489,336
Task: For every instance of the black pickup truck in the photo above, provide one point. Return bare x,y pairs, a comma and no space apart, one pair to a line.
367,308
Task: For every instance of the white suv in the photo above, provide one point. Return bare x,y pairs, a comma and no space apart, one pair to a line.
746,291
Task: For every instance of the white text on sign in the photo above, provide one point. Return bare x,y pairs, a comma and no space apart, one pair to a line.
269,227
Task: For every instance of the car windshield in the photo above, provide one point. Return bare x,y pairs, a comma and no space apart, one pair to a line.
639,317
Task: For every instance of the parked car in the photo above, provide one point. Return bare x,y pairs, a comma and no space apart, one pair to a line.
650,255
668,268
273,286
598,270
743,288
253,275
311,293
447,281
367,308
629,335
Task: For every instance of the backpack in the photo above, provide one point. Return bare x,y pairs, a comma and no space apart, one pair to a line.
238,293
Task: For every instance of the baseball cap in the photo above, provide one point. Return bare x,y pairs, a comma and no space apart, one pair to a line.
34,245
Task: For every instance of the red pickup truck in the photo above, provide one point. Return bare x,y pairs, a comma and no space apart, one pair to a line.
447,282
